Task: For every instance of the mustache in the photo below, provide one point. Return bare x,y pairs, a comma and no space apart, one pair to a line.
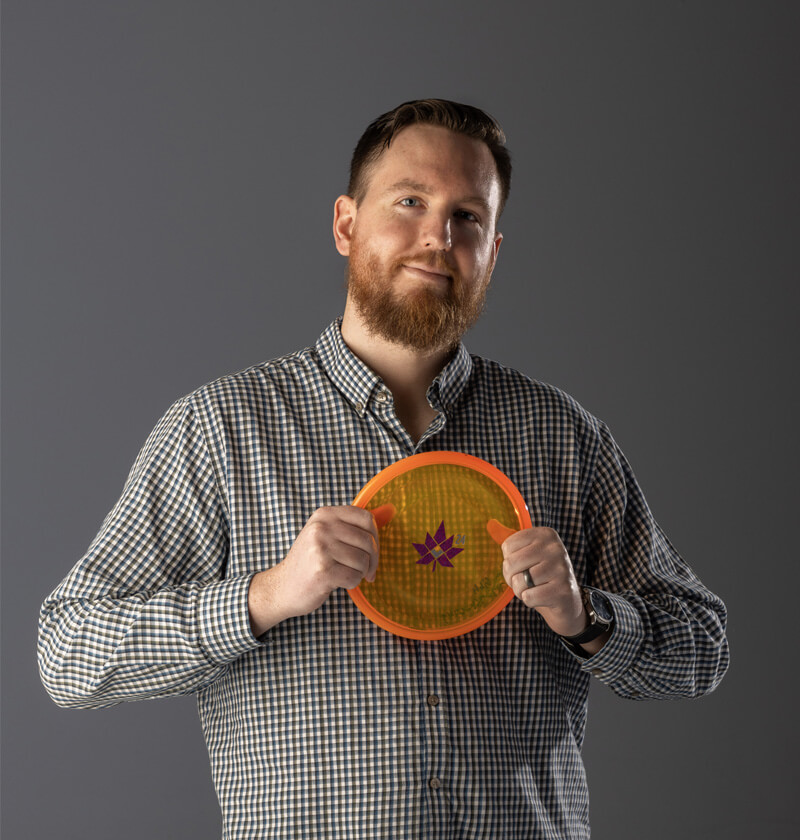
435,260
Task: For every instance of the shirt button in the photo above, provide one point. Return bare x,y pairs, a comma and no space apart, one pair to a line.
433,700
359,407
435,784
381,396
597,672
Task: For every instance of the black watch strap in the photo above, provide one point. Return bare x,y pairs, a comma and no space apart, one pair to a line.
601,619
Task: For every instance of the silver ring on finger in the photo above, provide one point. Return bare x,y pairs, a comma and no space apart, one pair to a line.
526,576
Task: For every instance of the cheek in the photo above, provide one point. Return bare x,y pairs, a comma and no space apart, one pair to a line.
397,231
486,256
402,232
475,260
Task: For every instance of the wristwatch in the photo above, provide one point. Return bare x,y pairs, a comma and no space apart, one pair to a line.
601,619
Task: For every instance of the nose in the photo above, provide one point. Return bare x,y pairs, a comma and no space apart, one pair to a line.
436,233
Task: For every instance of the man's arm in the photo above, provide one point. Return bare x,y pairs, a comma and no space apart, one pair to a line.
668,639
147,611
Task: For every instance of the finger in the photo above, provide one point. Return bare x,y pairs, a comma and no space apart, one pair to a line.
383,515
355,516
543,557
372,571
345,577
535,535
542,572
537,574
521,582
543,596
347,569
355,548
499,532
373,553
522,561
353,525
521,549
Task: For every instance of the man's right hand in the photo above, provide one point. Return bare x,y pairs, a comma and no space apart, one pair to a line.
338,547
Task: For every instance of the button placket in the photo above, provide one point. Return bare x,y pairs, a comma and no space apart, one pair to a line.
435,724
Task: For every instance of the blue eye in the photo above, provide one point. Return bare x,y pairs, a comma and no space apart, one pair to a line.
465,214
412,200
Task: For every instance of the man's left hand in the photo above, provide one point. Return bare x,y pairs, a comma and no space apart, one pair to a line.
555,594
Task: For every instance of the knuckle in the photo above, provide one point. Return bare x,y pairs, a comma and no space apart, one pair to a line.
317,523
316,529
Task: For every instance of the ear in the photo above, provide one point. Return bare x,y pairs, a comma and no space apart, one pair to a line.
344,217
498,238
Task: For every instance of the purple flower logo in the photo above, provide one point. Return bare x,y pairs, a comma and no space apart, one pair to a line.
438,549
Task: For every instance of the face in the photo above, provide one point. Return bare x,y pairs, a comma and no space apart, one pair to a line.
422,243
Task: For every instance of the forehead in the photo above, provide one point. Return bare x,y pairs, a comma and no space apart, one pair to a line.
439,159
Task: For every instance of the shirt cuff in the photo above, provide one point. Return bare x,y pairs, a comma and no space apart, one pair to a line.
224,620
619,653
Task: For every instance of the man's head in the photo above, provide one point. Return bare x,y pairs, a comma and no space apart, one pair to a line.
419,228
455,117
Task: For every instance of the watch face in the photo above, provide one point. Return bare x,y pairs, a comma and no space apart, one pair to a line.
601,606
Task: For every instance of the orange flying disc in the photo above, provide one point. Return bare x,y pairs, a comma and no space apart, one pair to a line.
441,517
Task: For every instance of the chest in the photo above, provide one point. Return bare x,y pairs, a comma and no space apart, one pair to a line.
279,463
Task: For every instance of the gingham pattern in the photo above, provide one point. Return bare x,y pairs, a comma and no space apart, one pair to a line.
329,726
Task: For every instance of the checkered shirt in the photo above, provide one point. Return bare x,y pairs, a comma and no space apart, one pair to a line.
328,726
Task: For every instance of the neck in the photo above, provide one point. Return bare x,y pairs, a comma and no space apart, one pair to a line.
406,372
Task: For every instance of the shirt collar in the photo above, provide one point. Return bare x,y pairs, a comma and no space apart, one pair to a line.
359,384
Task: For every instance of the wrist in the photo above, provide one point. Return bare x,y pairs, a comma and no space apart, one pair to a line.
263,603
599,624
596,645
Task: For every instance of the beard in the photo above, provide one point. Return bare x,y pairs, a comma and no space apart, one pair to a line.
421,318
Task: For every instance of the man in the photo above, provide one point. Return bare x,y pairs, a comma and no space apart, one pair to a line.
223,568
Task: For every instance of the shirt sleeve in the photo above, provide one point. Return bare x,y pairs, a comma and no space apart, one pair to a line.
668,639
148,611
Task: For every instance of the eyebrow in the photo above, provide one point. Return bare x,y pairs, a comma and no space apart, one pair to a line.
415,186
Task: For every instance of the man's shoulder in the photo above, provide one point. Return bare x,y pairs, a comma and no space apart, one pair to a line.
507,384
260,379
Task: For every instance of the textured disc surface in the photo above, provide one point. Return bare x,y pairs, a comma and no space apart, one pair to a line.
439,570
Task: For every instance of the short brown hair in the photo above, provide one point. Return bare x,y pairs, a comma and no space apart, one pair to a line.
462,119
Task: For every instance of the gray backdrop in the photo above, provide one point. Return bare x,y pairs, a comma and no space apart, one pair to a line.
169,173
